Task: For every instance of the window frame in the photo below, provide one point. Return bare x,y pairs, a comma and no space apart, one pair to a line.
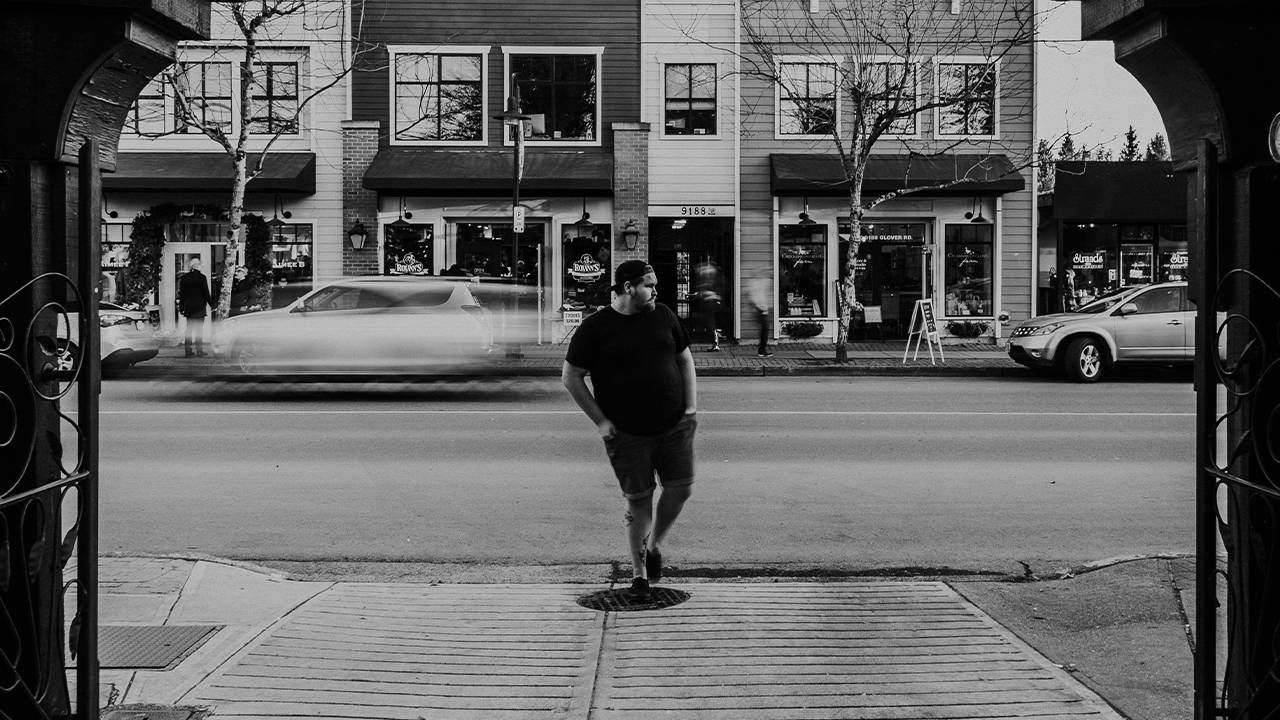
393,51
271,98
662,102
179,127
944,281
835,62
916,95
594,50
938,62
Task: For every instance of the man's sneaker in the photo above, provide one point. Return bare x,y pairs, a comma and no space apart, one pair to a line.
640,589
653,564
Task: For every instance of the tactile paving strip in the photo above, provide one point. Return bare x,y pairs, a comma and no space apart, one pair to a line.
620,600
148,646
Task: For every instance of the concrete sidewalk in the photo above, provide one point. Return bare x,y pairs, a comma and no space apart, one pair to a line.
868,648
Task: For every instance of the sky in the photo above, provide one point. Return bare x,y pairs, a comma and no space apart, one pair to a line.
1082,88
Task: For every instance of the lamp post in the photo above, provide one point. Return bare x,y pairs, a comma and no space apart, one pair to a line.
514,120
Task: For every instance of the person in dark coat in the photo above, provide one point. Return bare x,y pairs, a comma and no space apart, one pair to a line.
193,303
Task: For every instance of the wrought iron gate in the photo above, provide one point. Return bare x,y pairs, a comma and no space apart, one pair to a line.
44,364
1237,662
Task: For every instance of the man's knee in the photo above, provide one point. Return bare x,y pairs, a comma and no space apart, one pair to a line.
677,493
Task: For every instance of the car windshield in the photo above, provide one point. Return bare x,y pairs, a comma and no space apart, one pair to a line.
1104,303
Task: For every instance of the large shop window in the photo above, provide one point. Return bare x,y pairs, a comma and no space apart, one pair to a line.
407,248
968,270
206,88
439,97
485,250
1109,256
802,271
806,98
587,263
967,95
291,249
690,94
559,93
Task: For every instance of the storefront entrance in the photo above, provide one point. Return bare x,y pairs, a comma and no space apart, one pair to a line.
693,259
891,273
177,256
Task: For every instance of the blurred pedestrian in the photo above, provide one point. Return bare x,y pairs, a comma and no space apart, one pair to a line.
643,399
761,304
1068,289
709,285
193,303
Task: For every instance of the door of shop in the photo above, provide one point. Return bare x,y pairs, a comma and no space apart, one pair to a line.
684,250
485,250
892,272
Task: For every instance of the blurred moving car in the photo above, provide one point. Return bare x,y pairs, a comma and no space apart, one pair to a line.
126,337
1141,324
396,325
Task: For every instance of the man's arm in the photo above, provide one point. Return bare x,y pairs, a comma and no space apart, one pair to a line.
690,377
575,381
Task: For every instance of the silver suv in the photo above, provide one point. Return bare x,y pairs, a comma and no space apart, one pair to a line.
1148,323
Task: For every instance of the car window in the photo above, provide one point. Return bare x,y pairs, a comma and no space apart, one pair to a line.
427,297
1104,303
334,298
1159,300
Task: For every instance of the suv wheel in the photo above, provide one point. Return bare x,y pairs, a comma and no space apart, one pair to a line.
1086,360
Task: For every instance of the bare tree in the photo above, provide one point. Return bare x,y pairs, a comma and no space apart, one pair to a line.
882,51
237,93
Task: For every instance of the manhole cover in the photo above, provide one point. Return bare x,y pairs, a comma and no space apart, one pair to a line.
148,646
620,600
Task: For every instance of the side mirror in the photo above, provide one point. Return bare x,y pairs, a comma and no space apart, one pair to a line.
1127,309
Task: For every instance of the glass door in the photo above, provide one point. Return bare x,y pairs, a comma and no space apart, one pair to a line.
178,257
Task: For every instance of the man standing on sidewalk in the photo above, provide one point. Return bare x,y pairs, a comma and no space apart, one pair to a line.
643,399
193,301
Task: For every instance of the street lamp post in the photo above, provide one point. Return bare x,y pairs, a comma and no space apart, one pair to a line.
514,120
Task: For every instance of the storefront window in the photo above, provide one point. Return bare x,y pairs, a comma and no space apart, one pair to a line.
968,270
587,263
290,263
1092,250
802,271
1172,246
406,248
484,250
115,258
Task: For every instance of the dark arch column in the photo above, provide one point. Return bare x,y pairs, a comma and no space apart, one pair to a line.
72,68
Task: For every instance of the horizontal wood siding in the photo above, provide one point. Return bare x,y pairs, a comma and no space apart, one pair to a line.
614,24
687,170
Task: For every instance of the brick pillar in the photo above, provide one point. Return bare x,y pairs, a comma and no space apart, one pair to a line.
359,204
630,188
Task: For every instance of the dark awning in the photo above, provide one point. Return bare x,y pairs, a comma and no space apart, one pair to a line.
209,172
488,172
823,174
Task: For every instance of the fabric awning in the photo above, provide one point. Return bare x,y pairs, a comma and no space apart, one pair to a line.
960,174
285,173
489,172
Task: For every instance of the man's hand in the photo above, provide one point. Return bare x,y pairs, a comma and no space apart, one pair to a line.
607,430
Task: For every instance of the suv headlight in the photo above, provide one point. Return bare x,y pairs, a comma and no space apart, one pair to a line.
1045,329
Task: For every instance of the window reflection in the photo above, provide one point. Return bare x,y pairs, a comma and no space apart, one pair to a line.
802,271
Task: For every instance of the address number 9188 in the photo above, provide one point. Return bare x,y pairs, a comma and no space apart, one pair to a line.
689,210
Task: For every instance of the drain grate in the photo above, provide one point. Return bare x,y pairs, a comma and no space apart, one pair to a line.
148,646
620,600
148,712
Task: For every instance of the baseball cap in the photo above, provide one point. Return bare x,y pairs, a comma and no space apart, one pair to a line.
629,271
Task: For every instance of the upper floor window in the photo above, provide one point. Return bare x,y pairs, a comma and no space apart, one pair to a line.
147,116
807,98
559,93
690,99
967,98
894,91
203,97
273,98
439,96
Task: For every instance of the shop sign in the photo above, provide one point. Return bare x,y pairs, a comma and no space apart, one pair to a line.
408,265
1178,260
586,269
1089,261
572,318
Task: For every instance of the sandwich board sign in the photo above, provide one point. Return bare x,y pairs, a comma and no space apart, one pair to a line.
924,325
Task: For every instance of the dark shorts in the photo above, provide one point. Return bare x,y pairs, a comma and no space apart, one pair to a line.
635,458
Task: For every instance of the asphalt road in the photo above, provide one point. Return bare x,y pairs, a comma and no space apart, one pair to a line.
842,474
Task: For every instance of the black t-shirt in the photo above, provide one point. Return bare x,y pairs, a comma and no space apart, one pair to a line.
633,362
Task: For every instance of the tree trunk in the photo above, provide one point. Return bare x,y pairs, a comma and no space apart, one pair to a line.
846,295
240,179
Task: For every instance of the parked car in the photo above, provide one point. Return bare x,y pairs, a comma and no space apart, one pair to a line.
126,337
1142,324
406,325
